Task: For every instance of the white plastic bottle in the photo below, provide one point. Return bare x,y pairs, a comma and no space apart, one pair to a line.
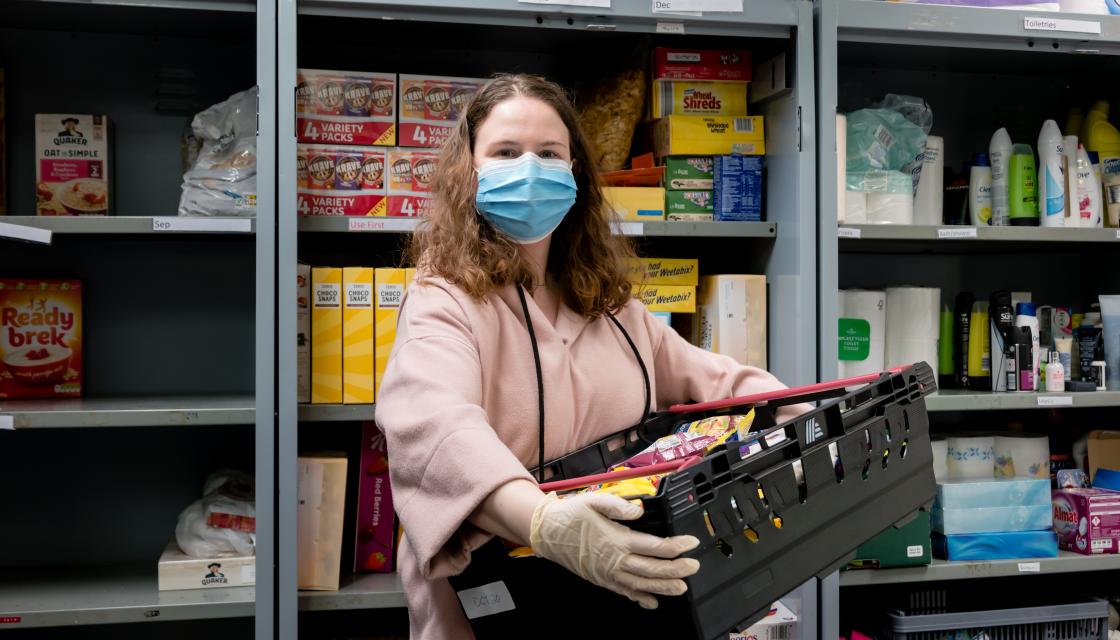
999,151
1090,206
1025,316
1055,374
1069,170
1051,181
980,191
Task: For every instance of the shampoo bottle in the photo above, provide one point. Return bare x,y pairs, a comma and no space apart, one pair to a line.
1051,180
1025,318
979,356
1090,211
1022,193
962,309
980,191
1001,320
1069,170
999,151
1024,374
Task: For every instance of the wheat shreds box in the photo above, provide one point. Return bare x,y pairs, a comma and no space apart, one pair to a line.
346,107
40,338
430,106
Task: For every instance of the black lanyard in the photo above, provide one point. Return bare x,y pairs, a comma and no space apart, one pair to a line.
540,377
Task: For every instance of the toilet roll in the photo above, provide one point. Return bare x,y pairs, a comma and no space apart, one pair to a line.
913,313
890,208
1029,454
862,332
940,458
906,352
1004,466
929,199
971,457
841,167
855,207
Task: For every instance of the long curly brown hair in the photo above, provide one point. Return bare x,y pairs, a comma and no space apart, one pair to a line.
587,264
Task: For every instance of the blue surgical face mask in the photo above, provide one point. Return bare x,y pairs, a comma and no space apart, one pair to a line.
526,197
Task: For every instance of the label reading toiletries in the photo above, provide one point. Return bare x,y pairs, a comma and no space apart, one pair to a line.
1031,23
915,551
1030,567
486,600
965,232
855,339
848,232
1055,401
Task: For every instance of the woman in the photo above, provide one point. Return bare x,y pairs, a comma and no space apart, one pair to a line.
523,295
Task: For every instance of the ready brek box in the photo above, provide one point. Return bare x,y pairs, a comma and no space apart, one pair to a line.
71,165
410,181
336,180
429,107
40,338
346,107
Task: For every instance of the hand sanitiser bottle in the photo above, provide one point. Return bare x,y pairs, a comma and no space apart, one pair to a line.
1051,180
980,191
999,151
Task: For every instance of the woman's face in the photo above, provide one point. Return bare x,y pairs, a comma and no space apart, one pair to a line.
519,125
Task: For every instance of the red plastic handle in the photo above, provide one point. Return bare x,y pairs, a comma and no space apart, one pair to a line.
780,394
613,476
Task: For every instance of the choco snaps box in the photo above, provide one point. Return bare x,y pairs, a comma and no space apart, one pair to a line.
336,180
71,165
429,107
1087,520
40,338
376,527
346,107
410,181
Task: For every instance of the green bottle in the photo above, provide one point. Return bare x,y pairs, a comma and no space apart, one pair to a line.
1022,187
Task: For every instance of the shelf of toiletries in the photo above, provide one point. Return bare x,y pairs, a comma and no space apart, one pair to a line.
864,233
1066,562
957,400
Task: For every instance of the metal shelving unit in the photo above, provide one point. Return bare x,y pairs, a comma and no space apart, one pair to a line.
368,591
956,400
127,412
339,224
1066,562
856,236
335,412
132,224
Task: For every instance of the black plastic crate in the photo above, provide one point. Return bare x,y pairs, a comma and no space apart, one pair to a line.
864,462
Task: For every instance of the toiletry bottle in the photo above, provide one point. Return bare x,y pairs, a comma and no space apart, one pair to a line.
956,196
1001,321
1099,368
1045,315
929,197
1099,135
1055,374
1064,347
962,309
1024,370
1088,336
1074,372
1069,170
1088,192
1022,194
980,191
1051,180
945,369
1025,318
999,151
979,356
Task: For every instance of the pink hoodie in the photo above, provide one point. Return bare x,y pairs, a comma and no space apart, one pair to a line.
459,407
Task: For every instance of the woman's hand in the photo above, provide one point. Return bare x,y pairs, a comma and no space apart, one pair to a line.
580,533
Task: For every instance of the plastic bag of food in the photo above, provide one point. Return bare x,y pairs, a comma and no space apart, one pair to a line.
694,438
609,112
223,179
223,521
913,108
882,139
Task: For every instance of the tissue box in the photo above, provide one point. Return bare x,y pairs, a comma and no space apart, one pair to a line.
178,571
708,136
905,546
971,494
996,546
777,625
376,524
991,519
675,271
1087,520
689,172
636,203
737,190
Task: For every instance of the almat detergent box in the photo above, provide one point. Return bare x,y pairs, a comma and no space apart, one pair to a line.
336,180
40,338
390,285
326,335
410,182
357,335
346,107
430,106
1087,521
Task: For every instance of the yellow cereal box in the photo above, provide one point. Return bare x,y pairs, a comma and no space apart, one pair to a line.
698,98
40,338
663,297
326,335
390,288
303,333
357,337
636,203
709,136
681,272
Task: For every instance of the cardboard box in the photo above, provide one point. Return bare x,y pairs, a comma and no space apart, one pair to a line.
326,335
689,217
737,190
698,98
375,528
674,299
346,107
390,285
702,64
778,624
770,78
178,571
335,180
899,546
357,335
303,333
1104,451
3,153
636,203
1087,520
689,202
40,338
731,317
676,271
319,521
685,173
708,136
430,106
72,165
410,181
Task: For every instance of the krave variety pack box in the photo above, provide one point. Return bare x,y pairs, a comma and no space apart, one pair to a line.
430,106
410,181
1087,520
346,107
375,529
335,180
72,165
40,338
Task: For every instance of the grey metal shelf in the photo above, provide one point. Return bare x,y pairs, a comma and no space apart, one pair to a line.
851,236
955,400
367,591
335,412
110,596
1066,562
343,224
134,224
127,412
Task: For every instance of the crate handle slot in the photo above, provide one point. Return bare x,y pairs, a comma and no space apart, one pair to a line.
724,548
902,448
708,524
799,475
886,457
776,520
738,511
866,468
750,534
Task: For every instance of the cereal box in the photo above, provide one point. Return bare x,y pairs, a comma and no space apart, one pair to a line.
178,571
303,331
688,202
410,181
71,165
3,151
636,203
689,217
708,136
698,98
326,335
677,271
737,191
662,297
430,106
336,180
346,107
689,172
702,64
357,336
40,338
376,527
390,287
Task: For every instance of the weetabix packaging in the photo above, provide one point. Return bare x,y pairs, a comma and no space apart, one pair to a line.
303,333
336,180
410,181
346,107
663,297
376,529
698,98
674,271
390,285
72,165
357,335
429,107
326,335
702,64
40,338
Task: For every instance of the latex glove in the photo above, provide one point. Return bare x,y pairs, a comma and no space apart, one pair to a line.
580,534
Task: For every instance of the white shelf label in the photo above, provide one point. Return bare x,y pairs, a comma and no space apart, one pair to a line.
383,224
1038,23
848,232
962,232
915,551
629,228
25,233
249,574
196,225
1030,567
486,600
669,27
606,4
1055,401
677,6
7,422
1118,234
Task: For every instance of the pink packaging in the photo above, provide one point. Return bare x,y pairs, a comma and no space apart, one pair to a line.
409,183
430,106
346,107
337,180
1087,520
376,528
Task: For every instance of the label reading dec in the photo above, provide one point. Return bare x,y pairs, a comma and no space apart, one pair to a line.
965,232
389,296
915,551
327,295
1036,23
359,295
486,600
